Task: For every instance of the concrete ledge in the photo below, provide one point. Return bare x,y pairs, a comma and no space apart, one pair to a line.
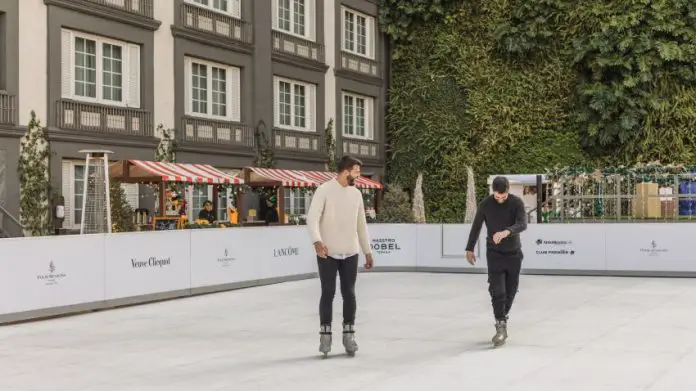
53,312
150,298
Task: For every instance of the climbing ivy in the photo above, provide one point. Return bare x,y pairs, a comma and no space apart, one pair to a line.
34,181
519,86
331,164
264,153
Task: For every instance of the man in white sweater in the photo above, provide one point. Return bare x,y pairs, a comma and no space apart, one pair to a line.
338,228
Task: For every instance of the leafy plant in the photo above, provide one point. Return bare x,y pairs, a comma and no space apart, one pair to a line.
121,211
34,181
264,154
396,207
331,164
167,145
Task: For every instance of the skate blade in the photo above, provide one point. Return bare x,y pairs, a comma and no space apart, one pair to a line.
325,356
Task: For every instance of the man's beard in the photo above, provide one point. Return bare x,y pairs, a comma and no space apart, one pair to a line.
351,181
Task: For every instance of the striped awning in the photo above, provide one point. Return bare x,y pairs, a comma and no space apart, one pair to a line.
324,176
286,178
188,173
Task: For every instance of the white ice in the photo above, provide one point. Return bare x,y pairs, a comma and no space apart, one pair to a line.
415,331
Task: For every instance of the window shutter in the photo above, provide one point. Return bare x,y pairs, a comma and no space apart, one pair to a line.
311,19
371,38
343,29
236,10
66,64
274,13
132,194
276,102
370,118
311,107
133,75
187,86
235,94
68,194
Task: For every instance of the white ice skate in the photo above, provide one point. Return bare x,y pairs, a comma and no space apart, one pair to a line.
500,333
325,340
349,339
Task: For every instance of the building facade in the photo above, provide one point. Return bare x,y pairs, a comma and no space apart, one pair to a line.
103,74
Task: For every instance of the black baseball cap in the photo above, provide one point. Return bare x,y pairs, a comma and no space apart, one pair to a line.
500,184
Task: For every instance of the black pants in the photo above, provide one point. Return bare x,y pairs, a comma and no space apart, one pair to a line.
503,280
347,270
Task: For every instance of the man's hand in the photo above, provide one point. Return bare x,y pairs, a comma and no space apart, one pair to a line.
322,251
499,236
470,257
368,262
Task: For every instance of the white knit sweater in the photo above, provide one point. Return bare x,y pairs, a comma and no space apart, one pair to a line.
337,218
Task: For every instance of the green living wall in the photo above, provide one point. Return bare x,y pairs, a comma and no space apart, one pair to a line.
522,86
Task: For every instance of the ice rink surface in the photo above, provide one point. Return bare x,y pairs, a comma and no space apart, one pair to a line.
415,331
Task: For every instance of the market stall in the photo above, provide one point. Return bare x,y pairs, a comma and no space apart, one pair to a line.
167,176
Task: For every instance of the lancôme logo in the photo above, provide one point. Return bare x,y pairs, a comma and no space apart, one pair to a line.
52,277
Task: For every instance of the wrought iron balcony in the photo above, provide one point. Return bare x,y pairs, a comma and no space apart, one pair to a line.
366,149
298,142
137,7
359,64
98,118
295,46
215,23
8,108
206,131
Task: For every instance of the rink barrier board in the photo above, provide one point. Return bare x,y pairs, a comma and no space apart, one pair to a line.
53,276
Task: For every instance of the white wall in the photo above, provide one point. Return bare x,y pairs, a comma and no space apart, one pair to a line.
33,60
329,77
164,66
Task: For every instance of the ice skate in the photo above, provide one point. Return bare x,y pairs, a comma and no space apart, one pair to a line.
349,339
325,340
500,333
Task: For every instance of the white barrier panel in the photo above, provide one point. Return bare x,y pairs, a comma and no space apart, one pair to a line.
454,238
147,262
564,246
650,247
394,244
224,256
38,273
285,251
435,239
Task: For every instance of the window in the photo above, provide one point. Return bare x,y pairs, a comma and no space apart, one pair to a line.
231,7
225,200
295,17
212,90
296,202
100,70
294,104
357,116
358,33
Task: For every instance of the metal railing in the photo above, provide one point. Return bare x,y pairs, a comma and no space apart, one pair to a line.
216,23
361,148
208,131
137,7
8,108
621,199
298,141
299,47
98,118
355,63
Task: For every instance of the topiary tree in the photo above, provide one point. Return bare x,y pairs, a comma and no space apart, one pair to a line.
121,211
35,181
396,207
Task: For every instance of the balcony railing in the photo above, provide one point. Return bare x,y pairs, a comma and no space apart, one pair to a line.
298,142
216,23
207,131
8,108
285,43
137,7
355,63
365,149
91,117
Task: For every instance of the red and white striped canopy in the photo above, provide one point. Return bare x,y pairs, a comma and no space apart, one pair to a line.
286,178
189,173
324,176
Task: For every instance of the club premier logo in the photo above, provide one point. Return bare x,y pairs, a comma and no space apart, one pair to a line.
558,247
51,278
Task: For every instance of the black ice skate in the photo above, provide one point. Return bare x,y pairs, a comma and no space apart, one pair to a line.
325,340
349,339
500,333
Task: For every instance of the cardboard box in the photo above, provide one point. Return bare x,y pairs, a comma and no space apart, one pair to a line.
669,208
646,202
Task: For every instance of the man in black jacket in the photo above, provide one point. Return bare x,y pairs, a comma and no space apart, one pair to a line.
505,218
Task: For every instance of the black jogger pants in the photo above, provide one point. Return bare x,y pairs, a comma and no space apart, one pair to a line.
503,280
347,270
